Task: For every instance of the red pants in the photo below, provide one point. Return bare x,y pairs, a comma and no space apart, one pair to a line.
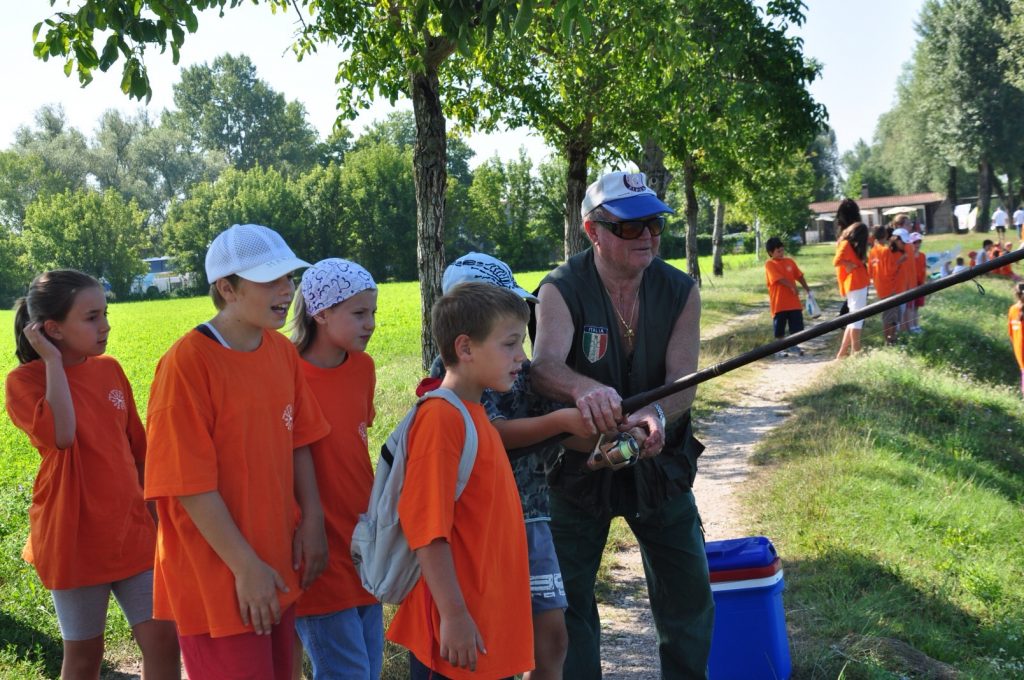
242,657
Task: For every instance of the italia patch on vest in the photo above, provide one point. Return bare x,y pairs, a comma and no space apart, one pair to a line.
595,342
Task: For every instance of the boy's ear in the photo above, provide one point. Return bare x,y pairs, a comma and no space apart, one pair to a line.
320,319
463,347
226,290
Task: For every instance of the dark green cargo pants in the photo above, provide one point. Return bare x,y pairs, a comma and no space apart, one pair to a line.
672,547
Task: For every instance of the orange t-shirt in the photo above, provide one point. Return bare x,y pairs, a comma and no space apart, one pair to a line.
88,521
921,262
225,421
852,280
887,274
344,476
487,536
780,297
908,269
1016,333
1005,270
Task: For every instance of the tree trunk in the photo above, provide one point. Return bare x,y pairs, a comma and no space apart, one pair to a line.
1020,193
652,164
693,267
716,239
430,175
951,196
577,153
984,196
1000,191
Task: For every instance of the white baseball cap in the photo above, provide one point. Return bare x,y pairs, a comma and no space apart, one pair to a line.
485,269
625,195
902,234
251,251
915,237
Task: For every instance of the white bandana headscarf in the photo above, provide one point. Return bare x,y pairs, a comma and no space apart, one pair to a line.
331,281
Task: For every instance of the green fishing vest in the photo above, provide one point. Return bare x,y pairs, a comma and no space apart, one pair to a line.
599,352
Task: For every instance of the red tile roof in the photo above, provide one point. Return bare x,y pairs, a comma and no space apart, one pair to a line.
822,207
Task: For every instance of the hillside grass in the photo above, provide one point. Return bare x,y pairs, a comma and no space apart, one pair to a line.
894,497
734,319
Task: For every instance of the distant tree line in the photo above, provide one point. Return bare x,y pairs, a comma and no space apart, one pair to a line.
138,188
956,126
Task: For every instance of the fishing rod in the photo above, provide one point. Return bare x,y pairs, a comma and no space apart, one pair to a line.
638,401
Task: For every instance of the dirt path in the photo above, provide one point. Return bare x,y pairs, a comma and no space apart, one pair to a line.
629,643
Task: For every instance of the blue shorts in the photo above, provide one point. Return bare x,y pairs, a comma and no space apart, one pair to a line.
546,590
348,644
82,612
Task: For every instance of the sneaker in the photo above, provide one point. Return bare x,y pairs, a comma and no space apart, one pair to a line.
780,355
799,352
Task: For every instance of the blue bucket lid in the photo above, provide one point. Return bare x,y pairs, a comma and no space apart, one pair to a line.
740,553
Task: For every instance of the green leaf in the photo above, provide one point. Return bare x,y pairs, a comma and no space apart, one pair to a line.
35,31
68,66
524,17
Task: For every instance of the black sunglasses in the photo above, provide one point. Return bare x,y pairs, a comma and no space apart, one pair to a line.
635,228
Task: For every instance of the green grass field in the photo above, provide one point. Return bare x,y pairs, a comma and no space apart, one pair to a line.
937,396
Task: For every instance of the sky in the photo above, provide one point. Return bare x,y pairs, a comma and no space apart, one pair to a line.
862,47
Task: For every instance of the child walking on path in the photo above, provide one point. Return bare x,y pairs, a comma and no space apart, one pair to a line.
852,276
525,421
1015,317
469,614
230,423
340,625
91,533
782,275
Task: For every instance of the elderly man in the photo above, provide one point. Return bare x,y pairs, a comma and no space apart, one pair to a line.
615,321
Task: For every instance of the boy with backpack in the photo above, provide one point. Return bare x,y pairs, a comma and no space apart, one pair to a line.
469,615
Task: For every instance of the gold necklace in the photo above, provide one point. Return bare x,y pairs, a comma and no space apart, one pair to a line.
630,333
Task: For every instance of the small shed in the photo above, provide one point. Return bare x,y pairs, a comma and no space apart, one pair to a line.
931,211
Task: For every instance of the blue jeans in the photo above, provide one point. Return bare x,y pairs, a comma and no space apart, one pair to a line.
345,645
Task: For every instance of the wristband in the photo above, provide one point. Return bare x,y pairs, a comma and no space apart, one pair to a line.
661,415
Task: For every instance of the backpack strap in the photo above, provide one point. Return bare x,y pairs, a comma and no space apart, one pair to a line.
469,446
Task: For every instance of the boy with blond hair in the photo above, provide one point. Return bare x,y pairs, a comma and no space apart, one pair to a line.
469,615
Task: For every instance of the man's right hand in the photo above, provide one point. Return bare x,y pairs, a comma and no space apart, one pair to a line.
601,408
256,587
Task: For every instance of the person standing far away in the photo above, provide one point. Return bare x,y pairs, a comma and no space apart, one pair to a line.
1018,221
781,275
999,222
850,262
615,321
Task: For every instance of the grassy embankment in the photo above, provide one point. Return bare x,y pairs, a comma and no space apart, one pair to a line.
142,331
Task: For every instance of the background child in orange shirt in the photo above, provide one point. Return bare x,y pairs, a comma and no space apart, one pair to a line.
469,615
91,532
340,625
230,421
850,262
782,274
913,321
1015,317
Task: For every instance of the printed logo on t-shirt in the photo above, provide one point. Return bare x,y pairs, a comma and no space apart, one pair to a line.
362,431
116,398
288,417
595,342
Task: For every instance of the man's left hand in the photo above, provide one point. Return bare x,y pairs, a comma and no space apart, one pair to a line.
648,419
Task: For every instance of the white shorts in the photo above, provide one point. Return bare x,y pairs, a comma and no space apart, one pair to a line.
856,300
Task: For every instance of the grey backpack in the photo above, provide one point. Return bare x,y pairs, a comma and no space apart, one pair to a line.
386,565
